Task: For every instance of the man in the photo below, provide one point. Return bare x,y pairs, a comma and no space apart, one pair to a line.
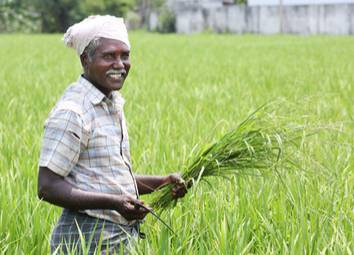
84,164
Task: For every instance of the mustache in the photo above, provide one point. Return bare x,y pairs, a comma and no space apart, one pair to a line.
112,71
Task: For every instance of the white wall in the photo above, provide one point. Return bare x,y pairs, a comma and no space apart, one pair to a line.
336,19
296,2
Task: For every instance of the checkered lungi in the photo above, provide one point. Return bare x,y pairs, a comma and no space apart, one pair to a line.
98,235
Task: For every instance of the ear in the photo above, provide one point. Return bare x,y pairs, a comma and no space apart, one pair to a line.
84,61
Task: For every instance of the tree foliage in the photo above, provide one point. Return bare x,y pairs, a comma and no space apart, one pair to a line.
17,15
55,15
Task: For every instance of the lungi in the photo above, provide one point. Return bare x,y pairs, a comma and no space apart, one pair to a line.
79,233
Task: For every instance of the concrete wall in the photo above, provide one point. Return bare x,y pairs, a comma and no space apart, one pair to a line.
294,2
194,16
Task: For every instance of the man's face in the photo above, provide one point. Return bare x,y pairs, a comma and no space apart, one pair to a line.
109,66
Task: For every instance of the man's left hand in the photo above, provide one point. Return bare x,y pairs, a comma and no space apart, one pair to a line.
179,189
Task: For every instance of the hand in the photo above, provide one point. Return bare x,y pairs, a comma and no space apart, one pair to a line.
131,208
179,189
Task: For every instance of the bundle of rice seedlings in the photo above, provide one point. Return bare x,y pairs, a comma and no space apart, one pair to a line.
253,148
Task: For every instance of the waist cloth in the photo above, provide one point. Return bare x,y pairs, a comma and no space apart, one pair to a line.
79,233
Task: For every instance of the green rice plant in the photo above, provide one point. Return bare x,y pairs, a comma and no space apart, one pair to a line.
255,147
186,90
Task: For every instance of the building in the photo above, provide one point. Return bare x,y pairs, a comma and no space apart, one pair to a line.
264,16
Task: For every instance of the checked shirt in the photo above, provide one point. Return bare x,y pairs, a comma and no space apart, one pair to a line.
86,141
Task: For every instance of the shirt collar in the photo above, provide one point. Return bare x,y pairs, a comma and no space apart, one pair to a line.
117,98
96,96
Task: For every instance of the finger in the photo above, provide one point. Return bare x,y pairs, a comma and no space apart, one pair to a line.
141,216
142,207
137,202
181,192
181,185
148,207
137,215
184,188
130,207
180,189
178,194
176,178
181,180
142,211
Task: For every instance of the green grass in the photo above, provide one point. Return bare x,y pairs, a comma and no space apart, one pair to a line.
188,90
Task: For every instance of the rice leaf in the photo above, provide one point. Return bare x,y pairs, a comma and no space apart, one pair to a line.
254,148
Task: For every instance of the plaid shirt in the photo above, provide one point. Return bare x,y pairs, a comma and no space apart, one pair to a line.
86,142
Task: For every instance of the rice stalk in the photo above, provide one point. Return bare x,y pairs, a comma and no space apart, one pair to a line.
255,147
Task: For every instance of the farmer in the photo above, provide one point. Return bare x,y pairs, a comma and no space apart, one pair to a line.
84,163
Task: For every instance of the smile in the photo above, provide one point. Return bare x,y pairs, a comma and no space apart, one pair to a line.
116,74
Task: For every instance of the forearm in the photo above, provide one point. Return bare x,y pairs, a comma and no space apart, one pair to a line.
76,199
63,194
54,189
147,184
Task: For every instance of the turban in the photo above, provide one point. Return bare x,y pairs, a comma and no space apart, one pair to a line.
79,35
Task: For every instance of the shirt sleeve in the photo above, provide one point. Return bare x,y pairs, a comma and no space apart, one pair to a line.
62,141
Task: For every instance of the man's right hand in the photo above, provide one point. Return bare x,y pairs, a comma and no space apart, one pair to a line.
131,208
54,189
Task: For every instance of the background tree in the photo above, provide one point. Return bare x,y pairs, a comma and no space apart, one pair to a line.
55,15
18,16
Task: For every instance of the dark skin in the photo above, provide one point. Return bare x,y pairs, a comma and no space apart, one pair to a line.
111,57
54,189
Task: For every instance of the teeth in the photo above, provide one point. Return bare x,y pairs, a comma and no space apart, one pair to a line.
116,76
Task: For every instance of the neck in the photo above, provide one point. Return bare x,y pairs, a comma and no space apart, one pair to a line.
104,91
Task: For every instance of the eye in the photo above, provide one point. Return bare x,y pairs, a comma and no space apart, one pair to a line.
108,56
125,56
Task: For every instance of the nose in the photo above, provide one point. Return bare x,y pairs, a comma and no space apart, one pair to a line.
118,63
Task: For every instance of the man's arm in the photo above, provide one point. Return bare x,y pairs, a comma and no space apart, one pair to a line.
54,189
147,184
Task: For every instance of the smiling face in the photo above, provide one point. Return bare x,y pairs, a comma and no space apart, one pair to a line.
109,65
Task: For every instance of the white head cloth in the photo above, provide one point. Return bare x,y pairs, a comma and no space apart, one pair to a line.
79,35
